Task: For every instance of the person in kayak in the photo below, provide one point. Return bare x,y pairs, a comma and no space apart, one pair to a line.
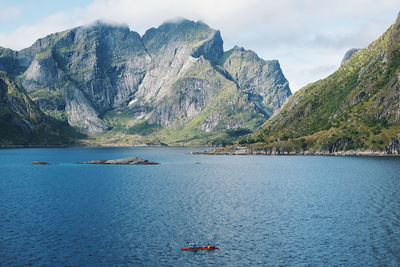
208,246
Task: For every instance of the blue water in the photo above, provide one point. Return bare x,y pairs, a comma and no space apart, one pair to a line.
260,210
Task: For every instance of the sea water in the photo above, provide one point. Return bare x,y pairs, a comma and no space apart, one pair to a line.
260,210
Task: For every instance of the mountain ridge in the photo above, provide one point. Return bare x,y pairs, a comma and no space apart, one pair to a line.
104,79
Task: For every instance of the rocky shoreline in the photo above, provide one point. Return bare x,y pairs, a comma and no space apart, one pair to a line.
277,152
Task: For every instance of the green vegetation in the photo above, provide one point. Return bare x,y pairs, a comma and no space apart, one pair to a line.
118,120
143,128
46,94
355,108
51,102
234,133
43,55
117,138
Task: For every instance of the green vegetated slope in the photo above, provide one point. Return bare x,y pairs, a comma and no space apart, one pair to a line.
22,122
355,108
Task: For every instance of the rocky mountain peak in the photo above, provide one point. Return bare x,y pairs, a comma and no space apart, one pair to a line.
186,25
196,36
258,77
349,54
180,31
396,31
237,48
245,53
105,24
100,29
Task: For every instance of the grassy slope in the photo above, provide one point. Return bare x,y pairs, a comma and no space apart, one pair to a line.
125,131
354,108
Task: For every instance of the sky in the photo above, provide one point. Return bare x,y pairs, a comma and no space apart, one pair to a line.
308,37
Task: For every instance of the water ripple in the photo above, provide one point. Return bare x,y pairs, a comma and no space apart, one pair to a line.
260,210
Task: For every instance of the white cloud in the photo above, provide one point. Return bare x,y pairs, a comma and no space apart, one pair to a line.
308,37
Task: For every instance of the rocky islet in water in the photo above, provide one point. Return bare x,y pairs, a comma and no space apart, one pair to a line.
126,161
40,163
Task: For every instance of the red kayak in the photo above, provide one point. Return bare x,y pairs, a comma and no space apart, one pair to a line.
212,248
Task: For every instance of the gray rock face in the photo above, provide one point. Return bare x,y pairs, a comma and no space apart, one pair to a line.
188,94
175,49
9,61
394,147
170,76
97,67
80,112
349,54
262,80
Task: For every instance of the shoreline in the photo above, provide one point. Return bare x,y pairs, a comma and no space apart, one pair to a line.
305,153
96,146
238,152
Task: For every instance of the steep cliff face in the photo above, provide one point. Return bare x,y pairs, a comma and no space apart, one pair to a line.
262,80
10,62
96,68
96,57
103,77
174,48
207,105
355,108
22,122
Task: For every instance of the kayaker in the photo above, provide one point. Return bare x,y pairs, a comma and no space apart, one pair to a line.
208,246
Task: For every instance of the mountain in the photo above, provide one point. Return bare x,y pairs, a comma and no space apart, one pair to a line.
356,109
262,80
22,122
349,54
174,84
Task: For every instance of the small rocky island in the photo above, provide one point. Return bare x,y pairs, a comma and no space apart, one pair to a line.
40,163
127,161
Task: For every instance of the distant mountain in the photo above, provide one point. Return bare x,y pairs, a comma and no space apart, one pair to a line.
349,54
175,83
262,80
357,108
